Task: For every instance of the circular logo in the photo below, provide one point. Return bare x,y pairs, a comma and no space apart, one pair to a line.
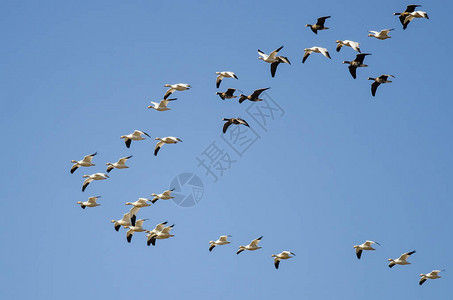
188,191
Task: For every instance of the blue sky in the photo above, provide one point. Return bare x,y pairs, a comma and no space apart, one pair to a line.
337,168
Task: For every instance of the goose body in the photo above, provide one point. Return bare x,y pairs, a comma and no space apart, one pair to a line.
126,220
365,246
251,247
273,59
282,255
137,135
235,121
356,63
120,164
85,162
253,97
311,50
90,178
319,25
221,241
224,74
176,87
378,81
402,260
380,35
348,43
90,203
164,196
161,235
162,105
132,229
227,95
141,202
165,140
159,227
434,274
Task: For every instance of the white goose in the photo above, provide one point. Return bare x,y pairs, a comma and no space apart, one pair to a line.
159,227
380,35
138,227
85,162
120,164
311,50
221,241
413,15
432,275
134,136
176,87
402,260
165,140
90,203
164,196
141,202
365,246
348,43
161,235
273,59
90,178
283,255
126,220
224,74
162,105
252,246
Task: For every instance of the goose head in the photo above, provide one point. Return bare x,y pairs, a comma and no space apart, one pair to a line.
85,176
346,62
308,25
74,161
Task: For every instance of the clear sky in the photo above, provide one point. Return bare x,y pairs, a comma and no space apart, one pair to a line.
332,168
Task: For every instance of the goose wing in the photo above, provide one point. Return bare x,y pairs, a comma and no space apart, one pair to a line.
422,280
74,167
92,200
353,71
160,226
355,46
411,8
322,20
374,87
325,52
276,262
88,158
306,55
226,125
339,46
358,252
243,122
255,242
386,31
360,57
169,92
212,246
273,54
274,66
406,255
261,53
167,229
158,146
230,92
218,80
257,93
223,238
123,160
127,142
86,183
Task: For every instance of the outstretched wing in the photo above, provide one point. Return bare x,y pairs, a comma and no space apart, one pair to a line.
306,55
358,252
422,280
274,66
255,242
256,93
74,167
353,71
86,183
128,142
406,255
273,54
322,20
374,87
226,125
211,247
276,262
339,47
158,145
169,92
219,80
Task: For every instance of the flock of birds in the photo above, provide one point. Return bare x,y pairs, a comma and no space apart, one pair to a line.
162,230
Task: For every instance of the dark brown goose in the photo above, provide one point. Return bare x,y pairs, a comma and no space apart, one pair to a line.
356,63
227,95
319,25
253,97
235,121
378,81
